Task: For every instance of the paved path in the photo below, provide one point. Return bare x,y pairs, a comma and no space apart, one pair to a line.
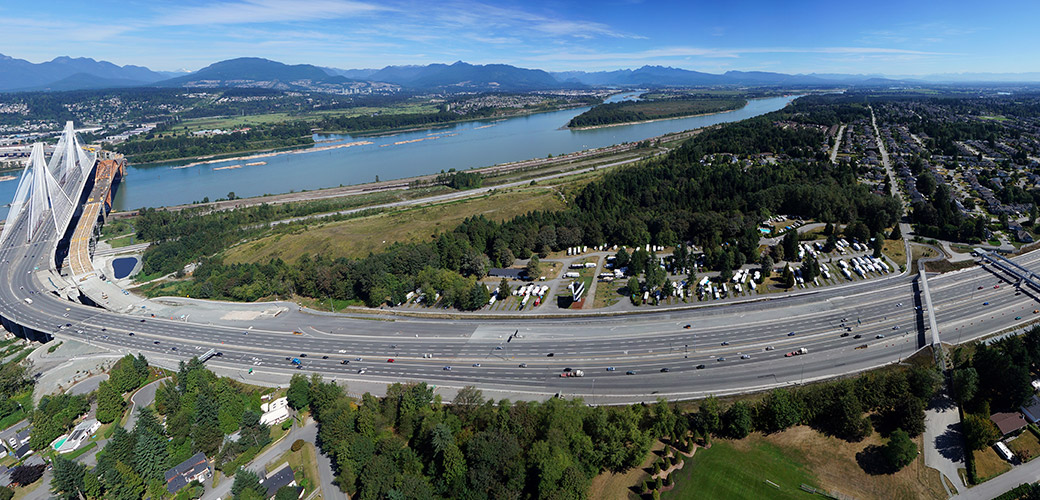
1025,473
140,399
87,385
943,445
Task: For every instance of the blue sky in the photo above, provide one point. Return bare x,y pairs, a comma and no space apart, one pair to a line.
905,37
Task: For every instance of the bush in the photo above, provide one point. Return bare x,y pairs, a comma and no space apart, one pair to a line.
297,445
900,450
287,425
658,484
668,480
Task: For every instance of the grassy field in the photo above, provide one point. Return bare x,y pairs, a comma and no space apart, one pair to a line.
611,486
895,250
122,241
1026,446
722,471
795,456
989,465
359,237
226,123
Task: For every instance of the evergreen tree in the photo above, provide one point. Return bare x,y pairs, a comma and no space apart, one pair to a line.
110,403
151,454
788,277
533,268
206,435
896,233
767,266
790,243
67,478
246,480
299,392
504,290
900,450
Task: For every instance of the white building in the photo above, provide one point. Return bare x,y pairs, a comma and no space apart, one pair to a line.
275,412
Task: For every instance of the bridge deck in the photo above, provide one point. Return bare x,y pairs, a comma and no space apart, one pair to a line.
80,262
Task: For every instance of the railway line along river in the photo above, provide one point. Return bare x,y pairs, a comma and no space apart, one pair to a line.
342,159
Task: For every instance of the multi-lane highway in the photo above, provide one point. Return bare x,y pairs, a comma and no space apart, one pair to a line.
727,348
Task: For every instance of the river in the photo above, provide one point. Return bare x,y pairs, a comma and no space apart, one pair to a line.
361,159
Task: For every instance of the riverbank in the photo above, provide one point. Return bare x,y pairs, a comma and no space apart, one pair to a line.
382,132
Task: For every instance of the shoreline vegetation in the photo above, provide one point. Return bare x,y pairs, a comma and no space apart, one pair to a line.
631,112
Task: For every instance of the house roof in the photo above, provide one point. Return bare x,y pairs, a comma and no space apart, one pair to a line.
282,477
505,272
1008,422
1032,408
177,477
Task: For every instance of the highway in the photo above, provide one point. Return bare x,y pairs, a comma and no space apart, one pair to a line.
967,306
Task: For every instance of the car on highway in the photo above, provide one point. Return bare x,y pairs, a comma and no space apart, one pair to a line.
156,342
745,356
985,303
688,327
390,360
665,370
996,286
476,365
857,336
551,354
725,343
447,368
980,288
393,346
131,334
700,367
324,357
1018,318
345,362
844,334
357,358
630,372
879,336
173,348
611,368
523,365
303,355
790,334
142,320
770,348
362,370
895,327
498,348
721,360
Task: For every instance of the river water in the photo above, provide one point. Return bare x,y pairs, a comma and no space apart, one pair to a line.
406,154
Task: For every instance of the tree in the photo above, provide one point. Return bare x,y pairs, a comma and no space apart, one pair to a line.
738,420
788,277
767,266
110,403
247,481
151,454
533,268
965,384
780,410
633,286
298,393
206,435
621,259
828,229
790,243
24,475
286,493
91,484
504,290
979,431
67,478
710,415
896,233
900,450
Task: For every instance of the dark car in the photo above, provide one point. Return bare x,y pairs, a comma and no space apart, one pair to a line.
142,320
630,372
700,367
858,336
665,370
324,357
156,342
345,362
303,355
131,334
790,334
551,354
844,334
687,327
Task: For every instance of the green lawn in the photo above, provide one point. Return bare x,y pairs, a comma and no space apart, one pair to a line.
724,471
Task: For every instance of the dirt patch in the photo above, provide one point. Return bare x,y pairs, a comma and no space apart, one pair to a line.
834,463
945,266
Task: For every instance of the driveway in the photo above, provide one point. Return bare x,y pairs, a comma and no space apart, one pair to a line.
943,445
1025,473
142,398
308,433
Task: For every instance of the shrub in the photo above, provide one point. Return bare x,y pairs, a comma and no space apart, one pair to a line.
297,445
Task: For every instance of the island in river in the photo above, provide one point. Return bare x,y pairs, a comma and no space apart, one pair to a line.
627,112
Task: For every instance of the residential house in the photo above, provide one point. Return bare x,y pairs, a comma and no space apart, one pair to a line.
195,468
1008,422
279,478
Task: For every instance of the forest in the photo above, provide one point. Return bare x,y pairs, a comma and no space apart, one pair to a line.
716,204
411,445
636,111
165,147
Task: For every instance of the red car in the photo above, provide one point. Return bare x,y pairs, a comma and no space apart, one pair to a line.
996,286
391,360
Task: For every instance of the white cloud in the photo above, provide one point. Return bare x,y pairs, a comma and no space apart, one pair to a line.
262,11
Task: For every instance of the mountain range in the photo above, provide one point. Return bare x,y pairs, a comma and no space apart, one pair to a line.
66,73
